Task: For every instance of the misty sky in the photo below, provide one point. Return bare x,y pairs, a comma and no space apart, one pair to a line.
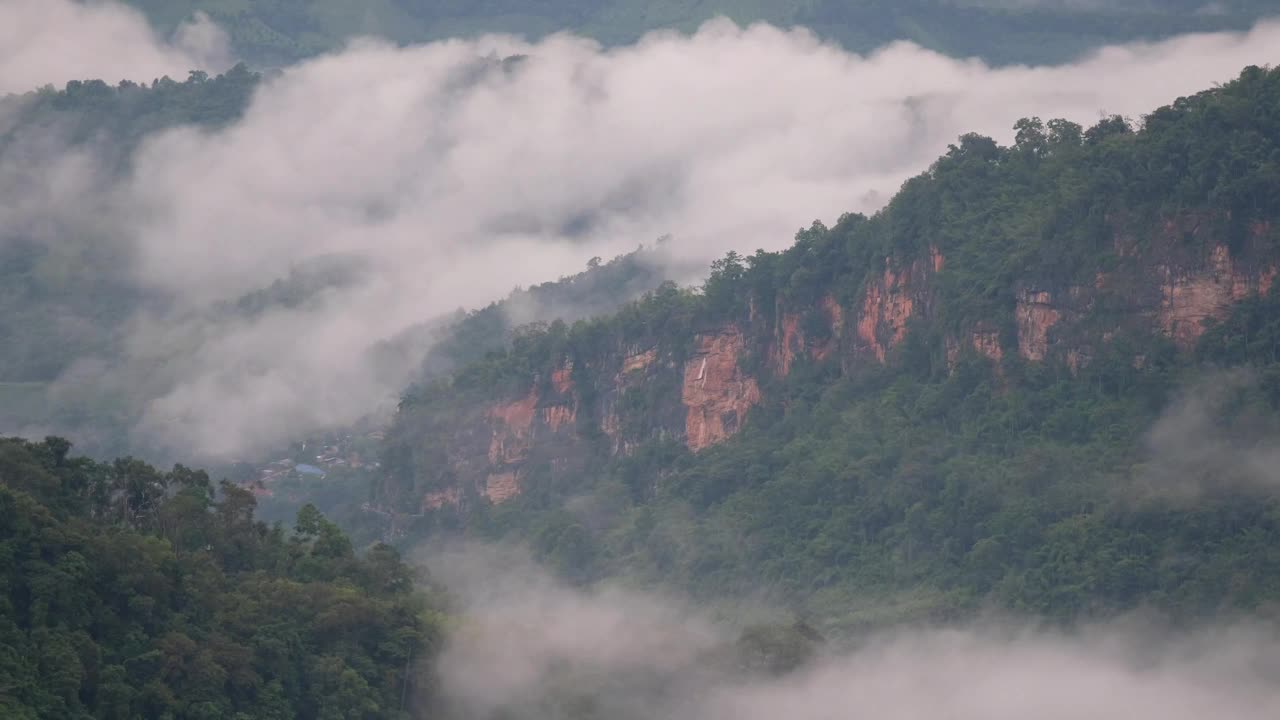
456,179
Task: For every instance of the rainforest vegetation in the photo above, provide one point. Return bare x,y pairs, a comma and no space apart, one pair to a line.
127,591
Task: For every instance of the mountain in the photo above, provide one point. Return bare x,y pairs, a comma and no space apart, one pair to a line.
278,31
130,592
1045,377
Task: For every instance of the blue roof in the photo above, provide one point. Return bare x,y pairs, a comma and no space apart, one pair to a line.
308,469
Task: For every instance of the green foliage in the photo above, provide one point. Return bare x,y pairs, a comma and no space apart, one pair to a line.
777,649
117,117
130,592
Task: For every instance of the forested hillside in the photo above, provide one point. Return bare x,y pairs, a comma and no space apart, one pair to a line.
1044,377
129,592
274,31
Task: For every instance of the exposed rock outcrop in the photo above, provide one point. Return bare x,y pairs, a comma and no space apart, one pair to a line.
789,342
511,428
987,343
441,498
562,378
983,340
715,390
1035,315
891,299
639,361
501,487
1190,297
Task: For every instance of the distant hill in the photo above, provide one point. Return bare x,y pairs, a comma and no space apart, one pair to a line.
1045,31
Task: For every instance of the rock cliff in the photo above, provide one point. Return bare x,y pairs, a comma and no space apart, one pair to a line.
1170,282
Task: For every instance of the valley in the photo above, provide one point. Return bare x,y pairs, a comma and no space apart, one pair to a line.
527,387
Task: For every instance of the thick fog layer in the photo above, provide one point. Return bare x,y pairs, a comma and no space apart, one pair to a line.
988,674
1215,437
53,41
530,648
457,170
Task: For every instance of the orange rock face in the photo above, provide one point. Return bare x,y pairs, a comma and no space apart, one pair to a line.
987,343
834,312
512,423
518,415
1267,277
1077,359
512,426
1188,299
835,319
501,487
716,392
789,342
562,378
886,307
639,361
1034,315
890,300
440,498
983,340
558,416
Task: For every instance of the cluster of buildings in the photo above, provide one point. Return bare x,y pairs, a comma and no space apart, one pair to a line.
335,453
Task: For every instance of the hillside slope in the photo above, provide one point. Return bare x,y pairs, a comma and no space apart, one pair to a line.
952,400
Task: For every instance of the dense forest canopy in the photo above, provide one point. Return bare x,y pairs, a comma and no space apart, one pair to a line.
275,31
127,591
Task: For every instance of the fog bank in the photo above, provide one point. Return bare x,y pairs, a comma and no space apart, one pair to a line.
53,41
527,647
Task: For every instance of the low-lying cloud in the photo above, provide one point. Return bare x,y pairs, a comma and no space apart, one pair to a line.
459,169
1213,439
990,674
53,41
527,647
